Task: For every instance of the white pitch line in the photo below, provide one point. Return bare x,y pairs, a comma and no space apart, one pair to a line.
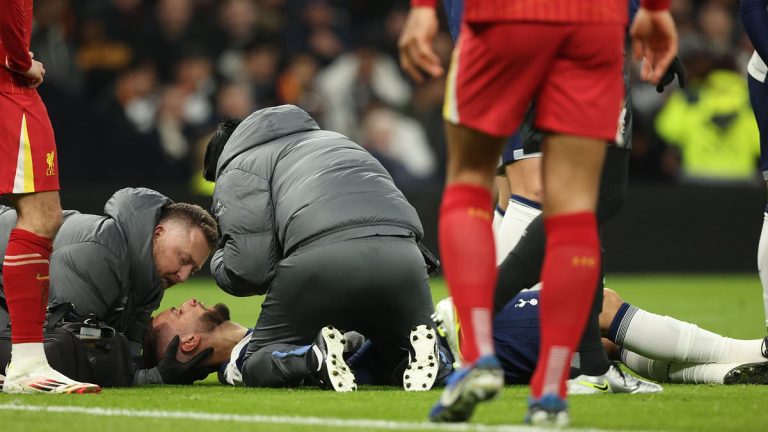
267,419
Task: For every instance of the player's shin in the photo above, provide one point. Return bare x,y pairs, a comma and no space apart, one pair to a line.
569,275
26,282
467,251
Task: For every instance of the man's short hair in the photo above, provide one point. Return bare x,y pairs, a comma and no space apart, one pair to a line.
195,216
216,146
149,351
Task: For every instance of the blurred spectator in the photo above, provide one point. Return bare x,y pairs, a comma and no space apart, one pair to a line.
52,40
296,84
167,70
136,93
352,82
234,101
400,144
712,127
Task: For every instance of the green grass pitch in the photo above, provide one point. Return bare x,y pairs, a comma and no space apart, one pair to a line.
728,304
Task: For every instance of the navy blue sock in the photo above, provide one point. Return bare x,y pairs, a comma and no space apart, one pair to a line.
620,323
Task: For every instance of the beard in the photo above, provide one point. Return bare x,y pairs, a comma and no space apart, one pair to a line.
214,317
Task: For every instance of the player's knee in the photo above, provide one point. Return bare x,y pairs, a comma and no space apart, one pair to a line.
611,304
45,224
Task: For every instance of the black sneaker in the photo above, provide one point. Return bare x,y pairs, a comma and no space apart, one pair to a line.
326,361
750,373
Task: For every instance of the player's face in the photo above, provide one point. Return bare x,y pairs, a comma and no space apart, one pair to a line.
179,251
183,319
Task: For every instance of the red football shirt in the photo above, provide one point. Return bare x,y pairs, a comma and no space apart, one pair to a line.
15,35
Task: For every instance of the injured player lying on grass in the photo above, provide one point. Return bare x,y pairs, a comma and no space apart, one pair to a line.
655,347
335,360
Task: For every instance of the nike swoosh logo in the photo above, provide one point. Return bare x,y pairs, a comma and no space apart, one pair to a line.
602,388
39,277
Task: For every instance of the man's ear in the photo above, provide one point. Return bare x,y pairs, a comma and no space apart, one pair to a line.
189,343
157,231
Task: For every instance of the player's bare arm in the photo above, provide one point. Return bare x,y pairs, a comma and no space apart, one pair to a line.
417,57
654,40
35,74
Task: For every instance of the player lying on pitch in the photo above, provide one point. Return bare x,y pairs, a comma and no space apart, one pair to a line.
660,348
657,347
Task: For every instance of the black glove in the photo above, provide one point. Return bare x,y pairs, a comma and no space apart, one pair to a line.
675,68
175,372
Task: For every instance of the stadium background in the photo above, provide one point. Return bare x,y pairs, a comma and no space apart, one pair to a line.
134,88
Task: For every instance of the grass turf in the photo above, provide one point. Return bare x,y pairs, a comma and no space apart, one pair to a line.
728,304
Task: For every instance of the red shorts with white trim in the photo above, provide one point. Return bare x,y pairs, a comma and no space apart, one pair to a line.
574,71
28,160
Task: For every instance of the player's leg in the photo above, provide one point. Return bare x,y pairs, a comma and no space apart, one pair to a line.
470,267
758,96
397,315
570,272
590,361
502,192
27,140
288,365
695,373
485,99
584,111
524,176
668,339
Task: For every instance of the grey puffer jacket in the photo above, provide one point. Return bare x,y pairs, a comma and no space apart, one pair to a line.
283,184
103,264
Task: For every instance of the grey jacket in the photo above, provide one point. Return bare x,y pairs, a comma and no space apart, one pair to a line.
283,184
103,264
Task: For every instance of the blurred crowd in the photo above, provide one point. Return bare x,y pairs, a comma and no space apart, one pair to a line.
135,87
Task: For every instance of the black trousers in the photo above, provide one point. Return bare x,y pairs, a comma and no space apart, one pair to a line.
373,285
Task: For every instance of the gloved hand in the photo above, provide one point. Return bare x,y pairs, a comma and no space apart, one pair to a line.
175,372
675,68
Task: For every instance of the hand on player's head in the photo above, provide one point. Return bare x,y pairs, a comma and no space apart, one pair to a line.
417,57
654,40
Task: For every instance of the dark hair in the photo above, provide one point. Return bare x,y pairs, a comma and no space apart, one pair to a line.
196,216
149,353
216,146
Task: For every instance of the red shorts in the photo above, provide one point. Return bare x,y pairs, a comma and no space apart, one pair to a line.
28,161
573,70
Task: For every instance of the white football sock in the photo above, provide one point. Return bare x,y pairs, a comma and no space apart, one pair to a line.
27,354
665,338
498,215
762,264
692,373
520,212
680,373
655,370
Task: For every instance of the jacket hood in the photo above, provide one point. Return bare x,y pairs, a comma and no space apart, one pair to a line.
263,126
137,211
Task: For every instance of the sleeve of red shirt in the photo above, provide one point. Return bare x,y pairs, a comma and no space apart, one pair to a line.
12,33
655,5
424,3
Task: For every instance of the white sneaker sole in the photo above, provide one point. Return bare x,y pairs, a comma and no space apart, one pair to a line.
49,387
421,372
341,376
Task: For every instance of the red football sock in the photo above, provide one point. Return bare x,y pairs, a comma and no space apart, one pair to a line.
569,275
469,263
25,279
